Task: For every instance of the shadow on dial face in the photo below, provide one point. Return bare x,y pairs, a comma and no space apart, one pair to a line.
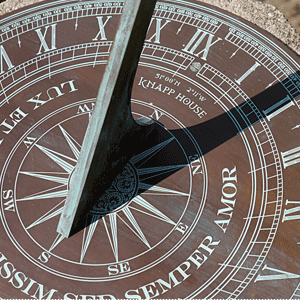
165,152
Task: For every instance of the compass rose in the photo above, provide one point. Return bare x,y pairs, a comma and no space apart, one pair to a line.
119,215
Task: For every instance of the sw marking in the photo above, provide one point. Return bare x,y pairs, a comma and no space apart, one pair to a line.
178,275
229,191
8,197
86,108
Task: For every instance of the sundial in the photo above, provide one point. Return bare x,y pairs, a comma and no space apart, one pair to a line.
208,204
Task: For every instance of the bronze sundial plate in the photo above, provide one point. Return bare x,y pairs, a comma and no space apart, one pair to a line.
209,208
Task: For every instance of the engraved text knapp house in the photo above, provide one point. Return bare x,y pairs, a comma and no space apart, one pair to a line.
207,208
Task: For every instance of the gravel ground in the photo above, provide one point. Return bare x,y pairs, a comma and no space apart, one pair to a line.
290,8
264,15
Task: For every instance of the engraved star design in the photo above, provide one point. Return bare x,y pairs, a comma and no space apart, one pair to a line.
112,220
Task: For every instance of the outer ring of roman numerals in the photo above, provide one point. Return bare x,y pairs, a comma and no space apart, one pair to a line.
200,44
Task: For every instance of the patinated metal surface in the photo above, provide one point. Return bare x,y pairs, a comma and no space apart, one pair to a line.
106,148
208,208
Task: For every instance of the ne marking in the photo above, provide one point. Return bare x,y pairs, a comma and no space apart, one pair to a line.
9,204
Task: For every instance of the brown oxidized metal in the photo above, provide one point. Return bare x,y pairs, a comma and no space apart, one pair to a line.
106,148
207,209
